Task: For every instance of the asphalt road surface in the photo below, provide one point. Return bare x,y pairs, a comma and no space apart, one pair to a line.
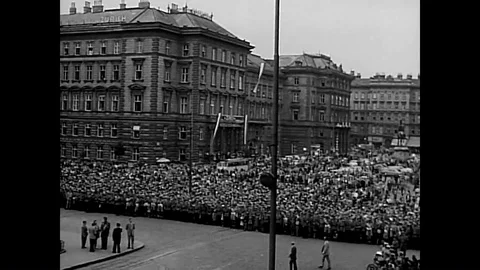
176,245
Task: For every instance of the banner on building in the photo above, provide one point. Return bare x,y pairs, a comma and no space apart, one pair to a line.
217,124
262,65
245,129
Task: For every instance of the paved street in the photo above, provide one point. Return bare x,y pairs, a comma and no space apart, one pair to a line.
178,245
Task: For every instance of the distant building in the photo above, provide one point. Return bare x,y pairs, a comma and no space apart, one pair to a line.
314,105
379,103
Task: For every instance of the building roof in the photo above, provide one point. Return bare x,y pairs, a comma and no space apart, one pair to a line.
145,15
255,61
308,60
367,82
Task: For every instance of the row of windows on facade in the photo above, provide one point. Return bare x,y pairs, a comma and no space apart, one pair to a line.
99,130
380,130
319,116
336,83
334,99
388,117
88,74
139,48
99,152
387,105
383,96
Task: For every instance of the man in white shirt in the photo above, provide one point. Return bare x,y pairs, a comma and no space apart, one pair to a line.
325,253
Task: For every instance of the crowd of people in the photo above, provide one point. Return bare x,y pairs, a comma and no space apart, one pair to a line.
315,198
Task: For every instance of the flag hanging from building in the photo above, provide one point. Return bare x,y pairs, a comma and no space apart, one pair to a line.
262,65
217,124
245,129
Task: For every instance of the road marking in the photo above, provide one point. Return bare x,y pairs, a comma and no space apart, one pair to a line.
200,244
228,264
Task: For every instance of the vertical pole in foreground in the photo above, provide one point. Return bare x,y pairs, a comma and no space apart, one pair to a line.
273,191
191,146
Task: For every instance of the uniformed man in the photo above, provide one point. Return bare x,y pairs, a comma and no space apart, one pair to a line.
130,228
105,231
92,236
325,253
84,233
293,257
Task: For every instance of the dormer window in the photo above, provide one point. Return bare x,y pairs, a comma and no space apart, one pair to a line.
298,63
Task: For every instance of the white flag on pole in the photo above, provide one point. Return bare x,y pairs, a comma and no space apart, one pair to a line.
262,65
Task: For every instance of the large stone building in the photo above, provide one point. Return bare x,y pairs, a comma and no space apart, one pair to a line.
140,79
379,103
314,110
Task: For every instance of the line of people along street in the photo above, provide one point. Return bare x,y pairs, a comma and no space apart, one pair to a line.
94,232
314,199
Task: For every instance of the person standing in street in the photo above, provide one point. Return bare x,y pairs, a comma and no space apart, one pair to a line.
293,257
130,233
325,253
105,231
117,237
92,237
97,232
84,233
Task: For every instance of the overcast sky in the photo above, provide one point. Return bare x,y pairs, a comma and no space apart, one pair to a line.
367,36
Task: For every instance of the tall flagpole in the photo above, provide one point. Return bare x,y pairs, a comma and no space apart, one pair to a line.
273,190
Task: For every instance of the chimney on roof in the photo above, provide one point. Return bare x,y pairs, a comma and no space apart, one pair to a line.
73,9
144,4
122,4
358,75
382,75
352,72
399,76
409,76
97,6
87,8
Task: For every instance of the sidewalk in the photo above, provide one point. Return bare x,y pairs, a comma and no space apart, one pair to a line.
75,257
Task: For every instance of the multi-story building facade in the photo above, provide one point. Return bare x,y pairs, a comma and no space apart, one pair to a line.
314,105
148,80
378,105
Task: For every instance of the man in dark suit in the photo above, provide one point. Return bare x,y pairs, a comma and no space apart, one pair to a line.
93,238
117,236
105,231
293,257
84,233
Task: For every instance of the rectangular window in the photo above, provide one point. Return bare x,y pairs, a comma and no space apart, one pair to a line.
204,51
113,130
322,98
214,76
136,154
99,152
186,51
313,98
232,79
165,104
116,47
165,133
223,78
295,97
139,46
202,106
230,107
64,102
88,130
101,103
224,56
183,105
182,134
167,47
74,151
116,72
138,71
321,116
113,156
75,130
136,132
374,96
240,82
64,129
240,108
75,102
295,114
232,59
103,73
137,103
103,48
168,71
184,75
89,73
65,72
296,80
88,102
90,48
201,135
77,48
214,54
212,105
262,112
115,103
65,48
203,75
63,151
100,130
76,76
